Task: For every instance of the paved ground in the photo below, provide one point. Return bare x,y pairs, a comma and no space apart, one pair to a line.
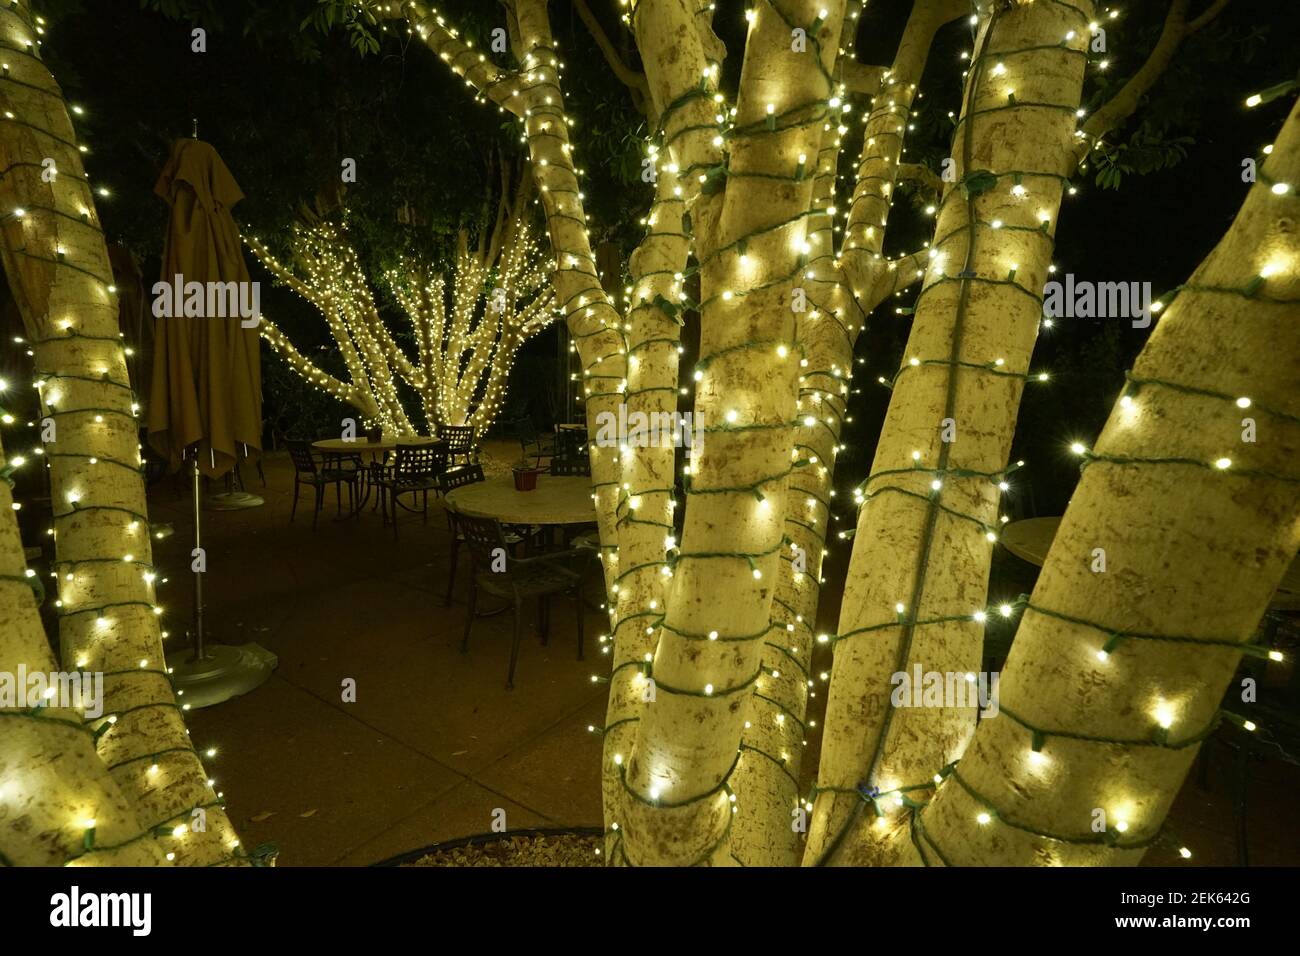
434,744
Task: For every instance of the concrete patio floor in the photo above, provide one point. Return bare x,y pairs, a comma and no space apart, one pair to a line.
434,744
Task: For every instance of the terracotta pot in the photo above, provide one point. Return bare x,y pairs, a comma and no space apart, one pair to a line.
526,480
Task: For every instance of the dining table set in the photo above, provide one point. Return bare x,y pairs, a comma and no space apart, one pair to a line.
524,545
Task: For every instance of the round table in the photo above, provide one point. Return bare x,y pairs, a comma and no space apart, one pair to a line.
557,500
1031,539
341,446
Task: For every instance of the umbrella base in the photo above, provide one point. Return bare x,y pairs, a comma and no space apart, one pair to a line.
232,501
223,673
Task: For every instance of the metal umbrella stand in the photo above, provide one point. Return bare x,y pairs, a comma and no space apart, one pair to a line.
213,673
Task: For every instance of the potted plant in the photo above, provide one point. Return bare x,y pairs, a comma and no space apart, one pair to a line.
375,434
526,471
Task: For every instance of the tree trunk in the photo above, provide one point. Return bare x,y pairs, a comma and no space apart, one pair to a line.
58,268
1116,675
677,806
52,782
921,558
841,295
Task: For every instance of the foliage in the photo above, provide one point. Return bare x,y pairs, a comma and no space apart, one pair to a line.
1143,153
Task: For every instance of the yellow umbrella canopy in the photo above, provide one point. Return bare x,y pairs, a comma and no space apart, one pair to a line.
206,391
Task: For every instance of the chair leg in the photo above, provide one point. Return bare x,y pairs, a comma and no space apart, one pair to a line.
514,644
451,574
338,498
426,507
296,485
320,500
469,615
578,603
395,507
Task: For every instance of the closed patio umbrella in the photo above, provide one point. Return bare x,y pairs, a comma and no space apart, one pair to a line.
206,393
206,390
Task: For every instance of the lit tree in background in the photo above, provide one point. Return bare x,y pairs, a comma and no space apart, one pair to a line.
334,282
467,326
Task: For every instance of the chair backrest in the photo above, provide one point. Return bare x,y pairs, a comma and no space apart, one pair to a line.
304,462
459,438
456,477
571,466
570,443
482,536
422,461
526,432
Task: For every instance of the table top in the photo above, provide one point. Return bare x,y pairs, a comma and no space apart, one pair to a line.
1031,538
557,499
363,444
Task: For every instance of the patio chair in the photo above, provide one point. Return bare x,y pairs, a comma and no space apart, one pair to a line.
521,579
416,470
308,471
460,443
456,478
534,444
570,443
567,466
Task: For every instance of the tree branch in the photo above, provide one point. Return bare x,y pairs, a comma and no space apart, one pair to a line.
861,78
634,81
1212,11
1117,110
923,176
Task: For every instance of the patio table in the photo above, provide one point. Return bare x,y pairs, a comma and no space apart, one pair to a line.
557,500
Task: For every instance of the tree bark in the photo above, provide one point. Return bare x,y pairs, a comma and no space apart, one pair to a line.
1193,554
52,782
921,554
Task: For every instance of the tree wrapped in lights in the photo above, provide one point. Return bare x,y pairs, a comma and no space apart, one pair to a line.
467,326
127,786
332,279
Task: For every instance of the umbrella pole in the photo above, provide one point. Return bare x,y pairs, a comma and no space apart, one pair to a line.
217,672
198,575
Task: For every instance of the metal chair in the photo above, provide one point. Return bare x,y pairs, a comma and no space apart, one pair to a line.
570,442
460,443
416,470
567,466
534,444
307,471
518,579
458,477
